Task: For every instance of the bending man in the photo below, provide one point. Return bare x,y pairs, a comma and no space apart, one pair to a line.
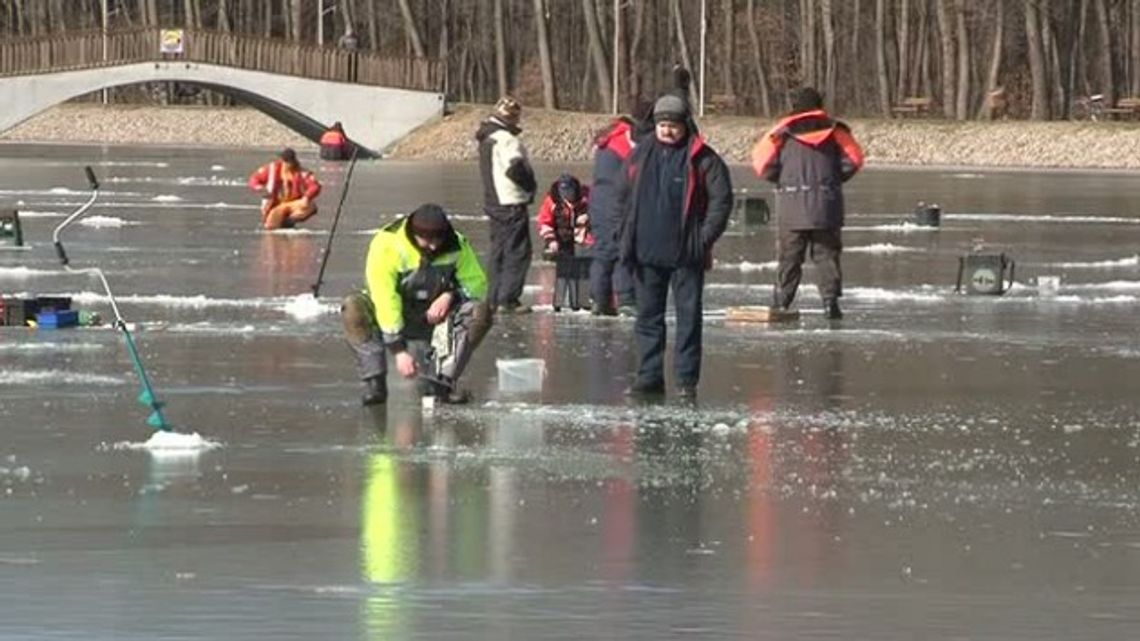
425,285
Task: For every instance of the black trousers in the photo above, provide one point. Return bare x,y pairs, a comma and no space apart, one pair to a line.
609,279
510,253
793,245
652,285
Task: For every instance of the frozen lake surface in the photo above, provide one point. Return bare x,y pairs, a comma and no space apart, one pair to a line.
933,467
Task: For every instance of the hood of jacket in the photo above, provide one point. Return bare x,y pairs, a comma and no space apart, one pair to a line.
493,124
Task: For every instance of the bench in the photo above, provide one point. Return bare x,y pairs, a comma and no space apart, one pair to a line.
722,103
913,105
1125,107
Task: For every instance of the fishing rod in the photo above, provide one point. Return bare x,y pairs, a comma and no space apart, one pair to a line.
336,218
146,397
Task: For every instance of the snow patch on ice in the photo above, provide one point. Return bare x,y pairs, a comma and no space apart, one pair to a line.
307,307
896,227
40,214
217,167
881,248
1131,261
101,222
746,266
167,198
170,442
49,347
55,376
18,273
1035,218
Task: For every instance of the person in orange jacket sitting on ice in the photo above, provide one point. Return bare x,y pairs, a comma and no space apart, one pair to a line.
334,144
288,191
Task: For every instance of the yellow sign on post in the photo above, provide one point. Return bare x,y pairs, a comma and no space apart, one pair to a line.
172,41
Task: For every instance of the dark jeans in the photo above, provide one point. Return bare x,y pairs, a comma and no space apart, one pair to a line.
510,253
792,248
653,285
610,278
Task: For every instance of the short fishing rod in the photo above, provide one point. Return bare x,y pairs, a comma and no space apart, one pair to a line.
336,218
146,396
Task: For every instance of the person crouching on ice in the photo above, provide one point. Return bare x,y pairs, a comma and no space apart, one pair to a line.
288,191
426,291
564,226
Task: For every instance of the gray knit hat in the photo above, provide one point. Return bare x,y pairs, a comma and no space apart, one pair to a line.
671,107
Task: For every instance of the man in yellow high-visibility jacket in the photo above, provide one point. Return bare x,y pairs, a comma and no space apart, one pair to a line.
425,283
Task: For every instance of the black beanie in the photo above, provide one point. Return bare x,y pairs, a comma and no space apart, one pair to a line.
429,221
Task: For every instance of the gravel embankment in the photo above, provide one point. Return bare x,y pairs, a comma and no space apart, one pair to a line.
556,136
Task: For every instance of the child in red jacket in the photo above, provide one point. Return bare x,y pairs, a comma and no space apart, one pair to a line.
564,225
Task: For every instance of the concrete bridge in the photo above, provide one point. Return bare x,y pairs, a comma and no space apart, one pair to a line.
378,99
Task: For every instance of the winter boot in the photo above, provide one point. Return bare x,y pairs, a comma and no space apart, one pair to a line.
831,309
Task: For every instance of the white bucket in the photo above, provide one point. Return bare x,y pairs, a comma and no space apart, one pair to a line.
1048,286
521,374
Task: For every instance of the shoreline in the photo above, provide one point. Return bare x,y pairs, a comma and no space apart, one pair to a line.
557,136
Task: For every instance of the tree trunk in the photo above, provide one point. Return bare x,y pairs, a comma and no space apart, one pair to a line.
828,52
224,16
1108,84
855,52
881,57
548,99
903,47
683,45
635,51
598,55
500,50
963,106
1040,108
987,110
1134,53
729,47
946,35
808,61
758,61
412,30
295,13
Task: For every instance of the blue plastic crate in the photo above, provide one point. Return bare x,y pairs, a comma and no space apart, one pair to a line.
56,320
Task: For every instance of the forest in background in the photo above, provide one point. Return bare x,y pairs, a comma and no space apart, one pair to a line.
974,59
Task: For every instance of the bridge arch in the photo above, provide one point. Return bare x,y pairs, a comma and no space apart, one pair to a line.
298,86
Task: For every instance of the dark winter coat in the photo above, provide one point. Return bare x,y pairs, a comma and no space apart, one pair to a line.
809,156
612,148
707,202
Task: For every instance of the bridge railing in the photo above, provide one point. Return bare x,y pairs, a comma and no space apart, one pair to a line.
85,50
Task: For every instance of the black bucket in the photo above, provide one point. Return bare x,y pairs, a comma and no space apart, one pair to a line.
10,231
753,210
927,215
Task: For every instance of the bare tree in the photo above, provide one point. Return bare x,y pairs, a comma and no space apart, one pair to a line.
1108,85
963,103
1040,108
758,60
548,99
946,37
828,50
500,50
728,43
881,57
598,55
987,109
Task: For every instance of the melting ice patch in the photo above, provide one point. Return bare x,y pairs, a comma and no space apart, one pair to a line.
55,376
881,248
49,347
40,214
107,222
1033,218
200,301
1131,261
20,273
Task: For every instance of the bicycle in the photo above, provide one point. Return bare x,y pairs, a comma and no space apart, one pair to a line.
1089,108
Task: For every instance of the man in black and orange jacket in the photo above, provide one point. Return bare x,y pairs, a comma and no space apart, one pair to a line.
809,156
